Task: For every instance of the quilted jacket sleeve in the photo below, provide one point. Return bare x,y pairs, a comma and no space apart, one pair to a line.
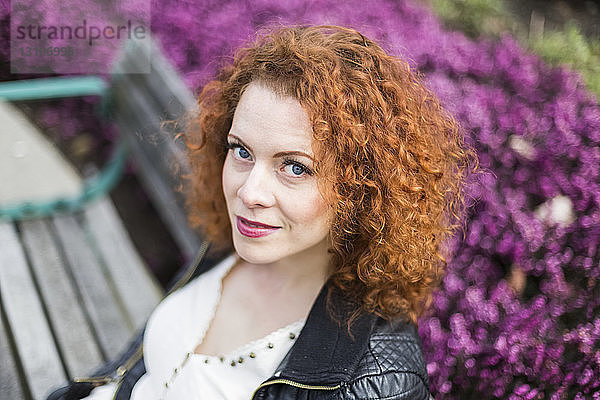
392,386
392,368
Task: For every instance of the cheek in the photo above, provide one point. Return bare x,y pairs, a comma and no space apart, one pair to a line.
309,209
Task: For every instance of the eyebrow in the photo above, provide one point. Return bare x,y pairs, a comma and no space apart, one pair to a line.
280,154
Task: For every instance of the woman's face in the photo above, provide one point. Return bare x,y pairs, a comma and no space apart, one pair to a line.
274,206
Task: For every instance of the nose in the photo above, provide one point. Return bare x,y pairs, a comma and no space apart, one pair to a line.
256,191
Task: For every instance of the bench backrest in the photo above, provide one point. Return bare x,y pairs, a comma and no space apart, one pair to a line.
141,104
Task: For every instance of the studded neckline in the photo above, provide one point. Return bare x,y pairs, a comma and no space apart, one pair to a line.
252,354
254,348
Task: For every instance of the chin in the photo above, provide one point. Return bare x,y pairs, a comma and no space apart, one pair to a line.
255,253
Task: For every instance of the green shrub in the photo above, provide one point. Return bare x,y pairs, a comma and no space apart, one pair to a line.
492,18
572,48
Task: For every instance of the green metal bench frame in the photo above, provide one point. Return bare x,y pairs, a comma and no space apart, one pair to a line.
93,187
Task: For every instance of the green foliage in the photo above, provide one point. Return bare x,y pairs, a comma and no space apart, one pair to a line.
572,48
474,17
492,17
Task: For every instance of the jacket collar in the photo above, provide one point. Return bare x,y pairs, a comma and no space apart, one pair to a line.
325,352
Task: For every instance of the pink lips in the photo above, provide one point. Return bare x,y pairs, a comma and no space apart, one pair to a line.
254,229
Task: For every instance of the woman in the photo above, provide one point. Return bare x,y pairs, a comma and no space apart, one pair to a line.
330,179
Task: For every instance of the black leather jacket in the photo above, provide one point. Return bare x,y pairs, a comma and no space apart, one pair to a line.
377,360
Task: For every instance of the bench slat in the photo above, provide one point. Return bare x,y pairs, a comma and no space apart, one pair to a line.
141,103
158,96
112,326
142,120
163,82
77,344
9,380
138,291
26,317
157,156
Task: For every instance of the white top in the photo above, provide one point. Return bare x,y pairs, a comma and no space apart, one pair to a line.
174,330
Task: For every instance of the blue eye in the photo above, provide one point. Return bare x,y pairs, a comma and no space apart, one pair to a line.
238,150
243,153
297,169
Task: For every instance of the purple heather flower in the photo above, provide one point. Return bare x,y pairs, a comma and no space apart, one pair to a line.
537,215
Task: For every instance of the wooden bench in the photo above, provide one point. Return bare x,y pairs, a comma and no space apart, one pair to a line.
73,289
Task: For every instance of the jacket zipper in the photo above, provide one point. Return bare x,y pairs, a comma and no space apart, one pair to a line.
100,380
126,366
131,361
121,370
295,384
188,275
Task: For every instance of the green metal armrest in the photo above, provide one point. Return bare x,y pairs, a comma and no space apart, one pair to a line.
93,187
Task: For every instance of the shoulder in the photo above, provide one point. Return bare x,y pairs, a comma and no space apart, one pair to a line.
392,367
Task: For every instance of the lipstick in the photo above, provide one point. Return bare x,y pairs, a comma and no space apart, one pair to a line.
253,229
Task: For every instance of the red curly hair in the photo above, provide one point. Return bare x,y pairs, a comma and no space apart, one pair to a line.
390,160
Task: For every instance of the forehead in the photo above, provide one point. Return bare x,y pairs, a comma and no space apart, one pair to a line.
265,117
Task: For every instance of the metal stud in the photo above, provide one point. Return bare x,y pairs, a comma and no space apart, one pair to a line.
233,363
252,355
222,358
240,360
292,335
270,345
206,361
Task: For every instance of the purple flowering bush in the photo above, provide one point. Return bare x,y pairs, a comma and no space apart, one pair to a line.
518,313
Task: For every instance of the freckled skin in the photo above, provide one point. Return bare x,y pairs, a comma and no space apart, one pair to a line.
260,187
278,276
